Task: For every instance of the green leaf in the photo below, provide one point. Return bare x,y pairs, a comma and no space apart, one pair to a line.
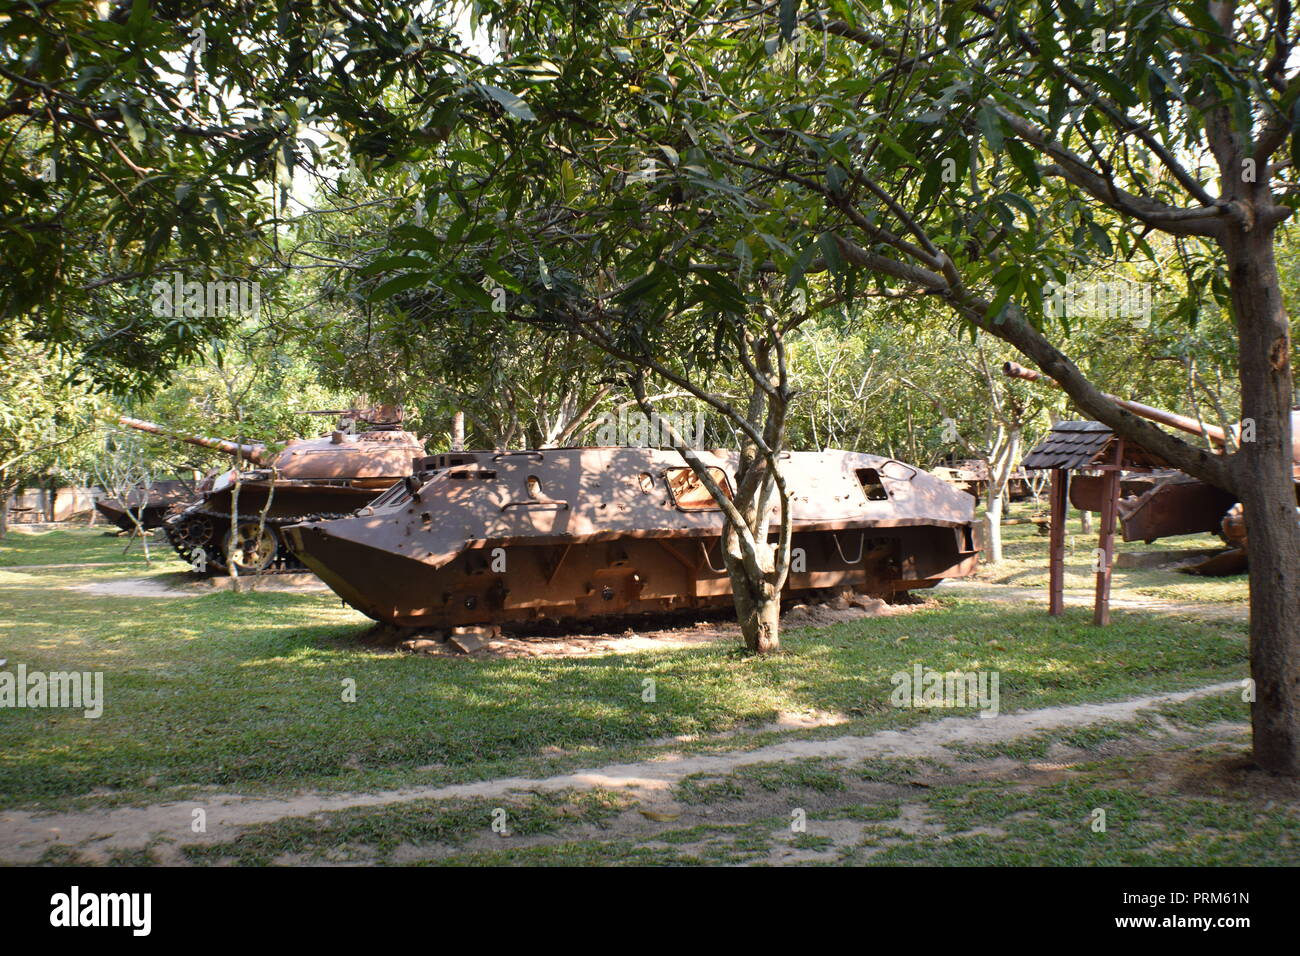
991,126
392,263
513,105
831,252
401,283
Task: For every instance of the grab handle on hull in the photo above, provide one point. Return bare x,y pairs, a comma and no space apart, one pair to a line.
862,543
704,549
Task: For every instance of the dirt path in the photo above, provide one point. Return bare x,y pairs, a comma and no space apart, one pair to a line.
63,567
25,836
182,585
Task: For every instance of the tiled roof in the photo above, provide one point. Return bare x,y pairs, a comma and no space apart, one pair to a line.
1070,445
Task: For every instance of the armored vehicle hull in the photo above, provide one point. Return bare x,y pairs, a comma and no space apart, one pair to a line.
483,537
158,500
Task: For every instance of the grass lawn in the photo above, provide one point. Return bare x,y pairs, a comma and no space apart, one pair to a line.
244,692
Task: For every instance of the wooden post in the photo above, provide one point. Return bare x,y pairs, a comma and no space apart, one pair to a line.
1060,497
1106,543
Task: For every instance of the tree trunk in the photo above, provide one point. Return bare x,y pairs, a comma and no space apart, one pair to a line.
758,608
1005,451
1085,521
458,431
993,528
1263,477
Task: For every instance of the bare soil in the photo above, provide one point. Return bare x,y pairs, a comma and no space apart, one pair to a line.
182,584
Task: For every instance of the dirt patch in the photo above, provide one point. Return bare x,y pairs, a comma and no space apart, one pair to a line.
624,635
835,612
1223,773
181,584
553,641
156,587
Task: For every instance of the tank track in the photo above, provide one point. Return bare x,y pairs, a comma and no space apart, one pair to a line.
214,563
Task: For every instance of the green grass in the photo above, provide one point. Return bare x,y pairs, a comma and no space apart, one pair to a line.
244,691
77,546
1052,826
372,834
1161,808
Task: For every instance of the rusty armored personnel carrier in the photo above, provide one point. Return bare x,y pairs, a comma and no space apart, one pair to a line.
329,476
572,533
1168,502
972,475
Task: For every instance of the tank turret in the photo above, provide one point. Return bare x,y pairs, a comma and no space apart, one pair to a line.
236,520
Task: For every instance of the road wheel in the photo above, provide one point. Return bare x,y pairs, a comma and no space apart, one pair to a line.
251,549
193,532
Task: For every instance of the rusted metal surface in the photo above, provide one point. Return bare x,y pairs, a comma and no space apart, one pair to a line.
972,476
1177,505
333,474
483,537
156,501
1087,493
249,451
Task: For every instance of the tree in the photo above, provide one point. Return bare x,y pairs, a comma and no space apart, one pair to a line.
45,420
844,141
911,156
147,139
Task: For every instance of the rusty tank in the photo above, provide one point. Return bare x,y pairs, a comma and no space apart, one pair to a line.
486,537
328,476
1169,502
148,505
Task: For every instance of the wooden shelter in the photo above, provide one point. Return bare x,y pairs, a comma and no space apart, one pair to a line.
1085,447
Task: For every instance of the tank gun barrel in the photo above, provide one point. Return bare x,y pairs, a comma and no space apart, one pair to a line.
1158,415
252,451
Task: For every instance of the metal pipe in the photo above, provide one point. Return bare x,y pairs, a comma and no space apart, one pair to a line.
252,452
1158,415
